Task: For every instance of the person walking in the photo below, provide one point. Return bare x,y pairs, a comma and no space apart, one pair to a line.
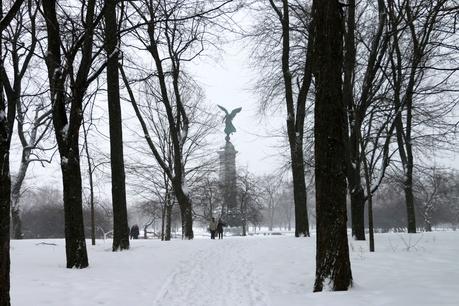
213,228
220,226
134,233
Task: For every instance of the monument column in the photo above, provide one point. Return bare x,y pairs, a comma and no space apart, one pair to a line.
230,210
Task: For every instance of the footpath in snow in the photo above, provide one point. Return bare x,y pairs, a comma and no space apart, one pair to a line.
406,270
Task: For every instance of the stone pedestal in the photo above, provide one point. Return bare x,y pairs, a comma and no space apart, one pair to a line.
230,210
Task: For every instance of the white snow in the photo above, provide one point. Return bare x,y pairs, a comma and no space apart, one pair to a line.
65,130
405,270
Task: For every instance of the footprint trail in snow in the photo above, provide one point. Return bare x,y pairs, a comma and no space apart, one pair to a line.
218,274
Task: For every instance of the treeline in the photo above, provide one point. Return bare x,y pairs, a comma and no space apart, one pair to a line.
43,215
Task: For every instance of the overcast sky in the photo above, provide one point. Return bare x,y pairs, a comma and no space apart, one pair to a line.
227,82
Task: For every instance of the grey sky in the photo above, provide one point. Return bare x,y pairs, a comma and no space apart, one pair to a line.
226,82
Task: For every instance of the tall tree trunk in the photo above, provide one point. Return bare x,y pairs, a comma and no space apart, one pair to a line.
371,232
120,222
370,205
91,185
295,121
299,194
163,220
67,130
5,192
409,198
408,186
353,128
357,211
406,156
354,180
7,114
186,211
91,189
332,256
75,244
169,205
16,194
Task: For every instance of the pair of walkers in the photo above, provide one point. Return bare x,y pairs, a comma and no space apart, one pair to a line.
216,228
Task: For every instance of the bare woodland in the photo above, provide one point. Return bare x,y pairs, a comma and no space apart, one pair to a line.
369,91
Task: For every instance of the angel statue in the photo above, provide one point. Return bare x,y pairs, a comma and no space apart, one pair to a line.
229,128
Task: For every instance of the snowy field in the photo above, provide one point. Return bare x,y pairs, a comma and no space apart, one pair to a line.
421,269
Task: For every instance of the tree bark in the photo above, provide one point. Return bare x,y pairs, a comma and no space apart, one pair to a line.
299,194
16,195
67,129
5,192
353,117
75,244
91,186
120,222
167,235
7,115
295,121
332,257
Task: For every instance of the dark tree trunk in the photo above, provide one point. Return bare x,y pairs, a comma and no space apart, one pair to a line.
16,222
7,115
357,211
370,223
332,256
163,221
186,213
16,195
295,120
428,225
406,156
91,187
409,198
120,222
67,130
353,128
75,244
411,214
167,235
300,196
5,192
370,206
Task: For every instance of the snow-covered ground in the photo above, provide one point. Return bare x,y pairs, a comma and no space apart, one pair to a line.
421,269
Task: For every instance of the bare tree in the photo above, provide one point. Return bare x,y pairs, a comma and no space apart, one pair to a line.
173,33
361,89
432,188
70,58
196,160
332,257
7,115
421,69
249,196
289,22
33,113
270,187
112,42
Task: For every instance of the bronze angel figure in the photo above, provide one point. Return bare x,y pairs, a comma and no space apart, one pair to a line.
229,127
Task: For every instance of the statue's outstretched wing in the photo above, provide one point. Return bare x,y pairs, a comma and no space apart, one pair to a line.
235,111
223,109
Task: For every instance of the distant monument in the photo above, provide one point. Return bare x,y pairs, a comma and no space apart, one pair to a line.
230,210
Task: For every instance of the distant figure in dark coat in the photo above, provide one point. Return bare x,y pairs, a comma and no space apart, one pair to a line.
135,232
220,226
212,228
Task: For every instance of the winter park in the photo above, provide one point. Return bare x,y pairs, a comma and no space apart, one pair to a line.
229,152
